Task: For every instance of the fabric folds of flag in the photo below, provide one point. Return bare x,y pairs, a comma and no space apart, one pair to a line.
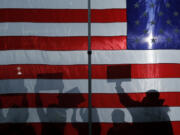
44,67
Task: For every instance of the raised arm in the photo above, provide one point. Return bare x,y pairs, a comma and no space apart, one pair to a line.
124,98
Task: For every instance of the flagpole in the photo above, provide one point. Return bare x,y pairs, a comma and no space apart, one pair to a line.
89,71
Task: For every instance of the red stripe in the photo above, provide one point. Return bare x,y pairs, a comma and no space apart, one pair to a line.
175,126
81,100
43,15
72,128
136,71
98,71
62,15
109,43
44,71
100,100
109,15
61,43
43,128
44,100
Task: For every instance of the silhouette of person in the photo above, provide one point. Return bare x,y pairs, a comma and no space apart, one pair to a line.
17,115
118,128
53,118
83,128
149,110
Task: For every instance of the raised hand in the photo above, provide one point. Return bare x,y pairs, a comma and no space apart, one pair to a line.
118,87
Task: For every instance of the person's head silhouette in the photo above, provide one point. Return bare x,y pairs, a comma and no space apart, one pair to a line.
120,127
152,94
153,98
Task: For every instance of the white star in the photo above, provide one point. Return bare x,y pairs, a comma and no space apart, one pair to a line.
137,22
168,5
176,13
168,21
136,5
161,13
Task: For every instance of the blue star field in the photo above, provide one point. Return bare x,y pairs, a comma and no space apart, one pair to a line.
153,24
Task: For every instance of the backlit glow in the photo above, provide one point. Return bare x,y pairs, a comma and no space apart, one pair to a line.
149,40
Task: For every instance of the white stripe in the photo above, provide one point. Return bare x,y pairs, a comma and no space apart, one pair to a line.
109,29
23,115
43,57
45,4
108,4
80,57
81,85
136,85
43,86
43,29
136,57
62,4
140,114
62,29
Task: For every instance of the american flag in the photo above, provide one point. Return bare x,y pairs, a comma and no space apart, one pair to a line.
44,67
